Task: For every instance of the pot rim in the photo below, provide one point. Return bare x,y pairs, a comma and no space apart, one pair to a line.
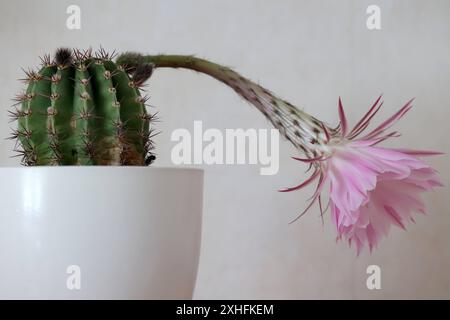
112,168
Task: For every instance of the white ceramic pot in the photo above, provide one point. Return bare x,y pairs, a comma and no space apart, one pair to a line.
99,232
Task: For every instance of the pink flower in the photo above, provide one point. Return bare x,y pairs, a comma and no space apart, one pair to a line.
370,187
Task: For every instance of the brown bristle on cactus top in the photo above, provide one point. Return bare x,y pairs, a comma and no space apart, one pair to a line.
83,109
63,56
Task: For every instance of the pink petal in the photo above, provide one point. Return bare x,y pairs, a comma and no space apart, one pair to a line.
320,158
366,118
423,153
395,216
343,119
303,184
390,121
306,210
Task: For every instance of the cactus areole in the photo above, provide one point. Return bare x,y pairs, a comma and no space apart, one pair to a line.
83,109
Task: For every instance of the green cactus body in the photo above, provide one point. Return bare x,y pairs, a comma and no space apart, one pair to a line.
83,110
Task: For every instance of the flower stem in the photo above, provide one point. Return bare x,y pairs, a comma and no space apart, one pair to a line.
303,130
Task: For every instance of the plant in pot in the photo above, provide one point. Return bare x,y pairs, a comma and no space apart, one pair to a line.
134,232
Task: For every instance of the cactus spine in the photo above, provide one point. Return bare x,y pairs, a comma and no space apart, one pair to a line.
84,109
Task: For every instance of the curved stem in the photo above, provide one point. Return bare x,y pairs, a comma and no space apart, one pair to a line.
303,130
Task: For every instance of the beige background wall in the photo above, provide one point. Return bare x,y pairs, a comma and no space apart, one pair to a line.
309,52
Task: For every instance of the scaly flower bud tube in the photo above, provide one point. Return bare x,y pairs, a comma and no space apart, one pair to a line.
303,130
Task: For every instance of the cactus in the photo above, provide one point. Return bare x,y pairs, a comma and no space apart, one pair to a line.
83,109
